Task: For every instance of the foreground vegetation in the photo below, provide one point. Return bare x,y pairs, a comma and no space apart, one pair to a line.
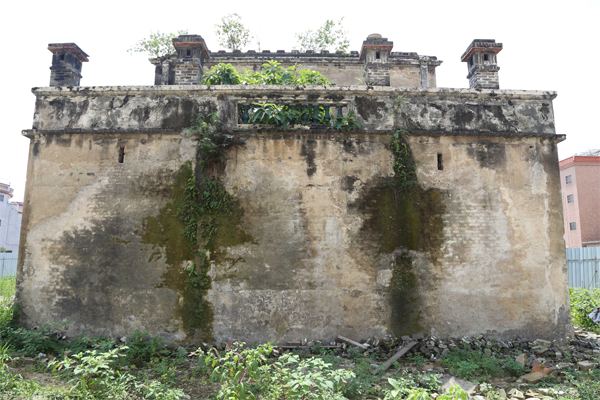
40,364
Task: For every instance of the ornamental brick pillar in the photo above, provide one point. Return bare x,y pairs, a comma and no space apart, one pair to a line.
67,59
482,63
375,52
191,54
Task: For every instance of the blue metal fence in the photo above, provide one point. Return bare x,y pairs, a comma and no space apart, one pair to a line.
584,267
8,264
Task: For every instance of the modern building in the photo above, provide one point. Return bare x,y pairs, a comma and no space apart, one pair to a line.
580,187
10,219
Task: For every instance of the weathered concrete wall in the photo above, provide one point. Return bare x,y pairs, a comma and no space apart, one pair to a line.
84,260
323,246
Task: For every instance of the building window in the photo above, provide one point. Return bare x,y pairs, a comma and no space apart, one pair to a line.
570,198
568,179
1,198
573,226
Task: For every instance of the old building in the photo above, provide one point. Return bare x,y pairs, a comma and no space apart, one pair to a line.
325,231
580,188
10,220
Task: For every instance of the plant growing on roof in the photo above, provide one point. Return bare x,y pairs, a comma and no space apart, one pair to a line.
157,44
231,33
331,36
272,74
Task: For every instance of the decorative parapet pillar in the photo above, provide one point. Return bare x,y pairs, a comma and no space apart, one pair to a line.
424,71
163,73
482,63
375,52
67,59
191,54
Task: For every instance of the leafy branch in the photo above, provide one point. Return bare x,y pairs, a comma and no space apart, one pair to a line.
231,33
331,36
157,44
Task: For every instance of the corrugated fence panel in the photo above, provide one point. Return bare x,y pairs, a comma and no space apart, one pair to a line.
8,264
584,265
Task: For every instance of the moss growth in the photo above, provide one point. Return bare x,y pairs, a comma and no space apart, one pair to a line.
200,219
175,235
405,315
403,217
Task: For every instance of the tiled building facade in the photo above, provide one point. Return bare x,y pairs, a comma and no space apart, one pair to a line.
580,187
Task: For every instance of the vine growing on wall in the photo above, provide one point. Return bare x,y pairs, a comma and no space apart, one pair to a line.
204,206
405,177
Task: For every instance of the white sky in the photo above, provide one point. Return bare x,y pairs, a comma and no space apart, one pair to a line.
548,45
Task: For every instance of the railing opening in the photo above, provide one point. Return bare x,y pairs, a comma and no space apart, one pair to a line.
296,114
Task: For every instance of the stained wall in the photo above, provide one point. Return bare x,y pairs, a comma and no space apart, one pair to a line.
323,246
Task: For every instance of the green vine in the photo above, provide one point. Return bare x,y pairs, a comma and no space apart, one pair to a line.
203,207
405,177
213,143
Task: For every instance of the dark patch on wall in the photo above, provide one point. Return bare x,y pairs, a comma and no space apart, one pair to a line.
347,183
63,140
368,108
350,146
488,154
406,314
463,117
36,147
99,277
308,151
165,232
179,113
398,218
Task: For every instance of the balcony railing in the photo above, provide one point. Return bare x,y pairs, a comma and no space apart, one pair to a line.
297,114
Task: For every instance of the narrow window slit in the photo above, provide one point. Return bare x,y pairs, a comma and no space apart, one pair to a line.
121,154
440,162
377,55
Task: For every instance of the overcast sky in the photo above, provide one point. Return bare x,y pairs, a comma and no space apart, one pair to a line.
548,45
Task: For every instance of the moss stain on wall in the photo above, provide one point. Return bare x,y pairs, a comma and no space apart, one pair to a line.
403,217
188,230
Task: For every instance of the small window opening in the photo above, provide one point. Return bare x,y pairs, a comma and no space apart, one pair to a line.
189,52
486,57
568,179
121,155
62,57
378,55
573,226
570,199
440,162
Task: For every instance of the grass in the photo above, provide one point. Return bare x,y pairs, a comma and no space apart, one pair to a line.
469,364
583,302
148,368
7,286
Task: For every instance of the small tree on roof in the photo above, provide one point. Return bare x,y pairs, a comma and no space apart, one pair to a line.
231,33
157,44
326,37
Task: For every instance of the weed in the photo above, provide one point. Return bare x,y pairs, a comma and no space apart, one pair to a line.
583,302
455,392
418,394
417,358
431,382
142,348
400,388
467,364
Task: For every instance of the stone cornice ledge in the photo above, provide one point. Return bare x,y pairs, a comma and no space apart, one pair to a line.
380,91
